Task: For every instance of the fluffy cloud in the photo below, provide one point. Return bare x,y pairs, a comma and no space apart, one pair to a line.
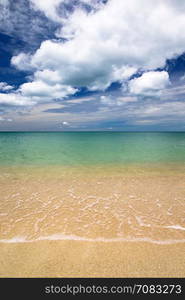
51,8
73,67
110,44
21,61
5,87
149,83
39,89
34,92
31,93
48,7
15,99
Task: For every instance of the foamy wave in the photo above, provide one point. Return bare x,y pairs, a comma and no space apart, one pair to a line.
16,239
62,237
176,227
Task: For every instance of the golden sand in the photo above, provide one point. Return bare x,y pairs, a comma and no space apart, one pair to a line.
66,222
91,259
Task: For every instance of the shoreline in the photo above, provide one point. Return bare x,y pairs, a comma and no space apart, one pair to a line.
62,237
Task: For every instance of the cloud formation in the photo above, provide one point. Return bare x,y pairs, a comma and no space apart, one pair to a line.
38,90
5,87
48,7
109,45
96,44
150,83
20,21
15,99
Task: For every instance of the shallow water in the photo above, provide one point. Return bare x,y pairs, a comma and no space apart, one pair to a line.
135,203
97,186
91,148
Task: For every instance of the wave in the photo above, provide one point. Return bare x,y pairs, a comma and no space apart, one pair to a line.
176,227
62,237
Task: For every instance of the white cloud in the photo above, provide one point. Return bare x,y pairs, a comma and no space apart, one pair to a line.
15,99
5,87
21,61
5,120
158,111
112,43
79,100
48,7
149,83
39,117
127,99
35,92
117,101
123,73
107,100
19,20
51,7
65,123
48,76
182,77
40,90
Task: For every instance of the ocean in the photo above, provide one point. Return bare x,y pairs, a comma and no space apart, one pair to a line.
91,148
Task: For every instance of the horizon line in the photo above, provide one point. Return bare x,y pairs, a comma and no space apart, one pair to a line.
83,131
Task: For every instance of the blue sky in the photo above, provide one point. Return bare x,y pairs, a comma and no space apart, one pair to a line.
92,65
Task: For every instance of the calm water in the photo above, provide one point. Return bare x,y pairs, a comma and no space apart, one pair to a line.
83,148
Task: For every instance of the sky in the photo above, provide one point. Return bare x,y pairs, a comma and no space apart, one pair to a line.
80,65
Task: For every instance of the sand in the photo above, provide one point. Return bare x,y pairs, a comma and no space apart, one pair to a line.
91,259
113,204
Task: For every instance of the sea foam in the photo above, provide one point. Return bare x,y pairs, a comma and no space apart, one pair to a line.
62,237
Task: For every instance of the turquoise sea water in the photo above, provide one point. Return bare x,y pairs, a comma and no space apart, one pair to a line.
83,148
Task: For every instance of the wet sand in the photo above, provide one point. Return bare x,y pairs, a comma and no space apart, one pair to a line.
79,223
91,259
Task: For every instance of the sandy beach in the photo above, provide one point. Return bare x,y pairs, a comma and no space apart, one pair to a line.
91,259
109,222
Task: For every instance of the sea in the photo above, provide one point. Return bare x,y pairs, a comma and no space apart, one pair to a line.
91,148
